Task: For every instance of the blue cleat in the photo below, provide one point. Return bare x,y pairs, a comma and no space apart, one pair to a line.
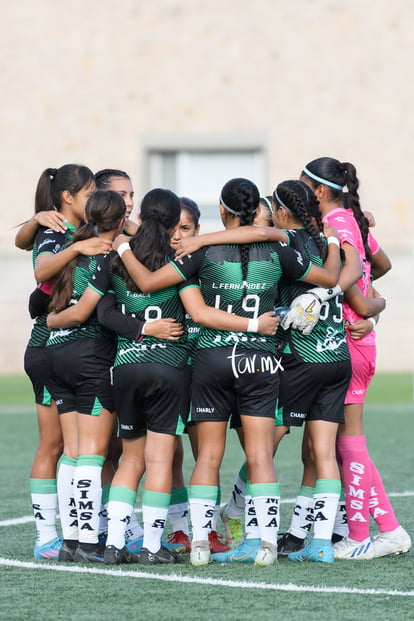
49,550
134,545
315,554
246,552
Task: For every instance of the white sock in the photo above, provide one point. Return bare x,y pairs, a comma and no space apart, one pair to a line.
302,516
44,504
120,507
88,496
266,498
103,513
202,500
67,505
178,510
235,506
134,529
324,507
341,522
154,515
251,525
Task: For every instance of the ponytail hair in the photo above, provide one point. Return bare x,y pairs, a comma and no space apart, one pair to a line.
160,212
54,181
336,176
103,212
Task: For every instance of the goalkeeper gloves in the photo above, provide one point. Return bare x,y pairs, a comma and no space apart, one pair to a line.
306,308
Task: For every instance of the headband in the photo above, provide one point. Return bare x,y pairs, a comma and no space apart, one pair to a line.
279,200
323,181
193,210
227,208
268,203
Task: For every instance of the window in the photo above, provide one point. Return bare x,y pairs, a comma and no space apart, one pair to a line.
200,173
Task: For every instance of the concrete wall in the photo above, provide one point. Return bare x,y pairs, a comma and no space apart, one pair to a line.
97,82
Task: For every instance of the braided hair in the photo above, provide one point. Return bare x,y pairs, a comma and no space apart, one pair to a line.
297,198
240,198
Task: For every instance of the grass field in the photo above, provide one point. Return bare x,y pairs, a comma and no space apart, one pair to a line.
381,589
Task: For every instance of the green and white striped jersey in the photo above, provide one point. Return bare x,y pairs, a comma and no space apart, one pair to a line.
327,341
220,274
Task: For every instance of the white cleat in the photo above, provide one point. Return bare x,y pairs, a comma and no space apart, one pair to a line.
396,541
350,550
200,553
267,554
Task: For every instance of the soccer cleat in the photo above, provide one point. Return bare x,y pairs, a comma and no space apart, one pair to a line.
93,553
49,550
246,552
67,551
115,556
233,528
178,541
163,556
216,543
289,543
350,550
266,555
134,545
200,553
315,554
396,541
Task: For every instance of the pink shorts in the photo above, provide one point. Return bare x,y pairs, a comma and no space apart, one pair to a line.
363,359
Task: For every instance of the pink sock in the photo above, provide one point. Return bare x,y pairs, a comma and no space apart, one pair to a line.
356,473
379,505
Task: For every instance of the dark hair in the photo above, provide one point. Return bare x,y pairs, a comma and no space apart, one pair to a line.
332,171
54,181
160,211
104,177
299,199
266,203
192,208
104,209
240,198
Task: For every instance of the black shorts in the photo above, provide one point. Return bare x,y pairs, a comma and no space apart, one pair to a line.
231,379
80,375
312,391
151,396
35,368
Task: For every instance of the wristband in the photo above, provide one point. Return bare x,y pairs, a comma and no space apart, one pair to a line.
373,321
143,329
124,246
333,240
253,325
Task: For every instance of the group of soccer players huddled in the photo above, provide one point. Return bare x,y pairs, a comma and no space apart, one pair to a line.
144,331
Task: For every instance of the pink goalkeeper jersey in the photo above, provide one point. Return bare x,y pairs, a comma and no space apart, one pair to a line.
344,222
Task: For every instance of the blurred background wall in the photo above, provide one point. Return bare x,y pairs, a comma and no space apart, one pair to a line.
186,94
